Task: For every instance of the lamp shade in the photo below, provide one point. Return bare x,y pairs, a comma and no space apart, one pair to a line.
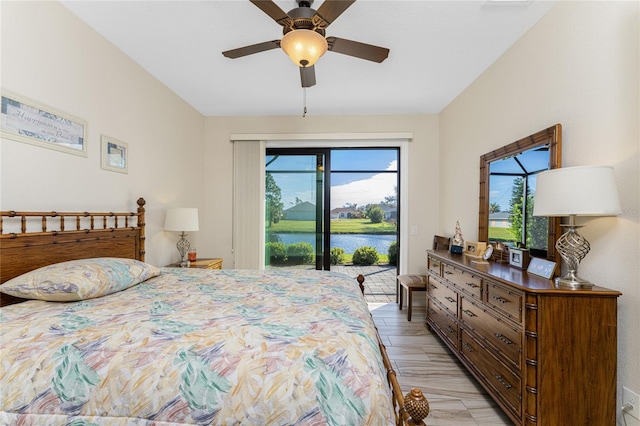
580,191
304,47
181,219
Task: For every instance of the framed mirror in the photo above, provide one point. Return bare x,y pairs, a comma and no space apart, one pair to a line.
507,190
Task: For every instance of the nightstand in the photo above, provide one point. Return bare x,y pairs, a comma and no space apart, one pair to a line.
210,263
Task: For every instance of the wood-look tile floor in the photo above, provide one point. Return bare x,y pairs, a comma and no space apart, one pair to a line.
421,360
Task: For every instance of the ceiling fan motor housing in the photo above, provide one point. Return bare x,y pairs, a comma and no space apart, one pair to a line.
304,18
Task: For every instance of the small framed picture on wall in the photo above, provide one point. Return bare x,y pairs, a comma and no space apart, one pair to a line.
114,155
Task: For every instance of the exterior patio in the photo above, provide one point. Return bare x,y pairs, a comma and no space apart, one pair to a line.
380,281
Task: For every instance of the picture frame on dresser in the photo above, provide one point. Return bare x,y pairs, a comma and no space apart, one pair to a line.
475,248
519,257
541,267
25,120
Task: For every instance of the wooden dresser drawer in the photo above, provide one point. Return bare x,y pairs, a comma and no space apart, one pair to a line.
469,283
505,382
434,265
443,294
440,318
498,333
504,299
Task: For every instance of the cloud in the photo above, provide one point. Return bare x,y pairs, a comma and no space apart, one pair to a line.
366,191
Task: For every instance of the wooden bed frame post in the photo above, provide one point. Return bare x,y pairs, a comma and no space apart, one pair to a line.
141,224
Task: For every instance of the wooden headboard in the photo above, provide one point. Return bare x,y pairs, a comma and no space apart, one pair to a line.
30,240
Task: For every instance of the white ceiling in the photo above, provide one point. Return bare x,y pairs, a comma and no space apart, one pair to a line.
437,49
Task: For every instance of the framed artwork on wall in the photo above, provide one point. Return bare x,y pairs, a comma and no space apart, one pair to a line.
27,121
114,155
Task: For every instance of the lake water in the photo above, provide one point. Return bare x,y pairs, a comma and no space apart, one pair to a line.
347,242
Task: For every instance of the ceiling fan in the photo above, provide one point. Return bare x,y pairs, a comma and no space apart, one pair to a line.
304,36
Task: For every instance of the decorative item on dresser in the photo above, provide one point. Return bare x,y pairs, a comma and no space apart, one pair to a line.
576,191
546,355
457,242
204,263
181,219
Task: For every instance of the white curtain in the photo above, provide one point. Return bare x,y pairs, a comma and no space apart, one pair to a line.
248,204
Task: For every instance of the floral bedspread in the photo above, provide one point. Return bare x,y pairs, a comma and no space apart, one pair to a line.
195,346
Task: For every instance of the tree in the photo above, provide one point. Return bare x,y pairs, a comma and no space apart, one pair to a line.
391,200
375,214
516,213
273,197
536,227
494,208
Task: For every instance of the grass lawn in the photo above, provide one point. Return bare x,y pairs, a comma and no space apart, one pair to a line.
338,226
383,259
500,234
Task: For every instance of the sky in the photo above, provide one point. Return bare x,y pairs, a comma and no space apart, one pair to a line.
500,186
363,191
362,180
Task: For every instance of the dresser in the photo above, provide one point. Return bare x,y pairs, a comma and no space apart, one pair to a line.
546,355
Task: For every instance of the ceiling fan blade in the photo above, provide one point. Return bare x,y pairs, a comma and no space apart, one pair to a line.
357,49
308,76
274,11
250,50
329,10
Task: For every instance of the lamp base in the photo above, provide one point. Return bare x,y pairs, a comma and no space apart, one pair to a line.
183,247
573,282
572,247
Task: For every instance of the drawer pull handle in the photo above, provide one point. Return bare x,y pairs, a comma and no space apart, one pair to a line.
504,339
500,299
448,272
468,347
451,330
433,286
505,384
469,313
472,285
450,299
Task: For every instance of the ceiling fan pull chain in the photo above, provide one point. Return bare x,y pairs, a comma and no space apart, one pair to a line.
304,102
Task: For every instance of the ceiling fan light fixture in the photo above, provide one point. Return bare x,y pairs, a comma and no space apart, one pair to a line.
304,47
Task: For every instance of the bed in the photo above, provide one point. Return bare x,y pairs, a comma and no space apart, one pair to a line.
118,341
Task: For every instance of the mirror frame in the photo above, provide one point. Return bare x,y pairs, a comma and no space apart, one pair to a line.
552,136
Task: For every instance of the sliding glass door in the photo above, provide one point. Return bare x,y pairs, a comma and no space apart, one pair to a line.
330,207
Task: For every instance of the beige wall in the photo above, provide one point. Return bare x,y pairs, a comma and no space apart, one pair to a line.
423,169
50,56
578,67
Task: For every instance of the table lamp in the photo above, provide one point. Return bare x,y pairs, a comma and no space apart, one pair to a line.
181,219
575,191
